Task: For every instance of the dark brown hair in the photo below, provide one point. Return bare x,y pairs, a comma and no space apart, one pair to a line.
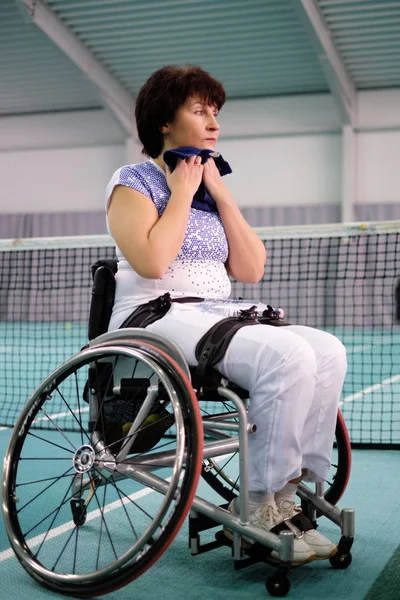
163,93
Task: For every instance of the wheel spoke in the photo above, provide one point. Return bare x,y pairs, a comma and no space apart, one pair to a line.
226,463
43,480
71,411
230,408
63,548
57,512
103,521
125,510
75,550
49,442
43,491
45,458
57,428
79,401
235,484
128,498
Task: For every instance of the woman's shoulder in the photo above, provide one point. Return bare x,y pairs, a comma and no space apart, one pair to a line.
143,177
145,172
129,173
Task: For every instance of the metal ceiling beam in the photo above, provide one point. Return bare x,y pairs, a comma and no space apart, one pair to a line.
339,80
115,95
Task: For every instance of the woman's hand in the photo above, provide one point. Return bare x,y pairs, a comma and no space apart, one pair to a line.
186,176
213,180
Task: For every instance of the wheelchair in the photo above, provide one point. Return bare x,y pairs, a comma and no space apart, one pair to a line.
118,467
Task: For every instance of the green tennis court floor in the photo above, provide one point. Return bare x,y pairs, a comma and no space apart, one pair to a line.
373,491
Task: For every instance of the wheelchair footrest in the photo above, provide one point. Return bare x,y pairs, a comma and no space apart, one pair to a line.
197,524
254,554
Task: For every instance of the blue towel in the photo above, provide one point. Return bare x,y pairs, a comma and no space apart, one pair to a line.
202,199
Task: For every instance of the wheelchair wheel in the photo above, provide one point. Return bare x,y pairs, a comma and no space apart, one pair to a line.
94,497
341,463
221,473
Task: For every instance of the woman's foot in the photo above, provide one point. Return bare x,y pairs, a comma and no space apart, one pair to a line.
267,517
319,544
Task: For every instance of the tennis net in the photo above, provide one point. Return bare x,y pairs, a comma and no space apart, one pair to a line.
340,278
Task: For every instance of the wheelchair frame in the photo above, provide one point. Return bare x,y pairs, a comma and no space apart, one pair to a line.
203,514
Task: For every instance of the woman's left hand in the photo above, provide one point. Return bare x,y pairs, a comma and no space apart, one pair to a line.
212,179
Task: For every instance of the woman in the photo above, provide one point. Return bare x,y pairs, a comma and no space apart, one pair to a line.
164,244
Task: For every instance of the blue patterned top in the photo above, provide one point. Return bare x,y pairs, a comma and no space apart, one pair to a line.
199,268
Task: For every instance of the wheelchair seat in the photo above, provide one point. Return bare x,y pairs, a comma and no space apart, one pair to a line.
102,301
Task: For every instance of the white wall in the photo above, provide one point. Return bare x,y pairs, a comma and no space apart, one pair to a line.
57,180
60,130
304,169
378,167
283,151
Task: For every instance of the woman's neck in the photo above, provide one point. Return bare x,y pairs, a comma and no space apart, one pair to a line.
160,162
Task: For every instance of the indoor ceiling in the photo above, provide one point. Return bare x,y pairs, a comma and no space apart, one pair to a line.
257,48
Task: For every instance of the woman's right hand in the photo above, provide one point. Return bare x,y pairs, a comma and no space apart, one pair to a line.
186,177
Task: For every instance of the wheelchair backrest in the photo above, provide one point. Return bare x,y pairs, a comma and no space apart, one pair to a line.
103,294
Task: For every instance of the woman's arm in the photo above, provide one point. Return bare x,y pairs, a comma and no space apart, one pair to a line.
247,254
151,243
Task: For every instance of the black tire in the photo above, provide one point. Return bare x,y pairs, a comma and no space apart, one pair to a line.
341,475
278,585
226,483
341,560
131,552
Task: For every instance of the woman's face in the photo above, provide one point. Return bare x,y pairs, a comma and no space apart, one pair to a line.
195,124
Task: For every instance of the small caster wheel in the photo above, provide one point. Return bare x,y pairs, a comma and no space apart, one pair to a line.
341,560
78,509
278,585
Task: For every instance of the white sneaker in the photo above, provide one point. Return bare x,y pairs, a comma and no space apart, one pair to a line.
319,544
267,517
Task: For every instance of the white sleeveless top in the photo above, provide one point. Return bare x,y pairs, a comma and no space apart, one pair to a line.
199,268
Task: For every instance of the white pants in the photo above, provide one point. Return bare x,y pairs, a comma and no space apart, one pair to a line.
294,376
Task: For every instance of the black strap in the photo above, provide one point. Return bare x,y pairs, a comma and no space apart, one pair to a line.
301,521
148,313
212,346
154,310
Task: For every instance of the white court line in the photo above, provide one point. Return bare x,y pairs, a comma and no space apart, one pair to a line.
353,349
368,390
94,514
63,414
56,416
43,351
361,347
